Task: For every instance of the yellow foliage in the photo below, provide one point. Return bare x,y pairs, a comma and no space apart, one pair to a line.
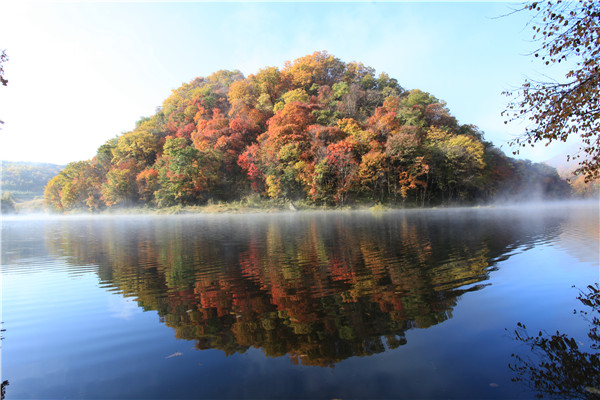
273,186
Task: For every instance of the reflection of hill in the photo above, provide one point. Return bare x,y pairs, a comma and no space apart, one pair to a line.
319,287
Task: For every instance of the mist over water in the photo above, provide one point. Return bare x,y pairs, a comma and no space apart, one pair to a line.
288,304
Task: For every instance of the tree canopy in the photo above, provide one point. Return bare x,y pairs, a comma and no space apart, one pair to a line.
318,130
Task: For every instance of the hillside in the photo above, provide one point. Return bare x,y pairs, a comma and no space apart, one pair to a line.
566,170
319,130
27,180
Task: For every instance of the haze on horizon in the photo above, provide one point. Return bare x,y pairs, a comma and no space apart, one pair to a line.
80,73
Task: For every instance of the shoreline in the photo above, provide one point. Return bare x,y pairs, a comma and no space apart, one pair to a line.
289,208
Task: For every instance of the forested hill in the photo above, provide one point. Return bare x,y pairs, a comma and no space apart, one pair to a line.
318,129
26,180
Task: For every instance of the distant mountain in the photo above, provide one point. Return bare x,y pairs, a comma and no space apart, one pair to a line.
26,180
563,167
566,170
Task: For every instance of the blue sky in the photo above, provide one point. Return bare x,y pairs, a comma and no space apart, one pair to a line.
82,73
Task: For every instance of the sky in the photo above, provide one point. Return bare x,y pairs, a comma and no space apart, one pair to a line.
82,73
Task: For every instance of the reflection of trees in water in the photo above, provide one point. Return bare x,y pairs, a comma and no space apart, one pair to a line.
559,366
3,389
4,383
319,288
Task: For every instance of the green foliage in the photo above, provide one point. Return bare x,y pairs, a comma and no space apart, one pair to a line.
120,186
295,95
459,161
185,174
340,89
139,145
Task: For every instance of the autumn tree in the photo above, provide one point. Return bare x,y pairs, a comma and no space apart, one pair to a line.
250,162
373,173
569,32
227,137
77,186
410,169
458,162
132,153
285,156
319,68
344,168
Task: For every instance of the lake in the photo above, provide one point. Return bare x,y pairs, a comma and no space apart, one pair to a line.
328,305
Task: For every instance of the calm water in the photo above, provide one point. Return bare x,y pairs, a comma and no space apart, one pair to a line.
345,305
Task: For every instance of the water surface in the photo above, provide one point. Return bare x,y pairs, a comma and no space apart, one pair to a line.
402,304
